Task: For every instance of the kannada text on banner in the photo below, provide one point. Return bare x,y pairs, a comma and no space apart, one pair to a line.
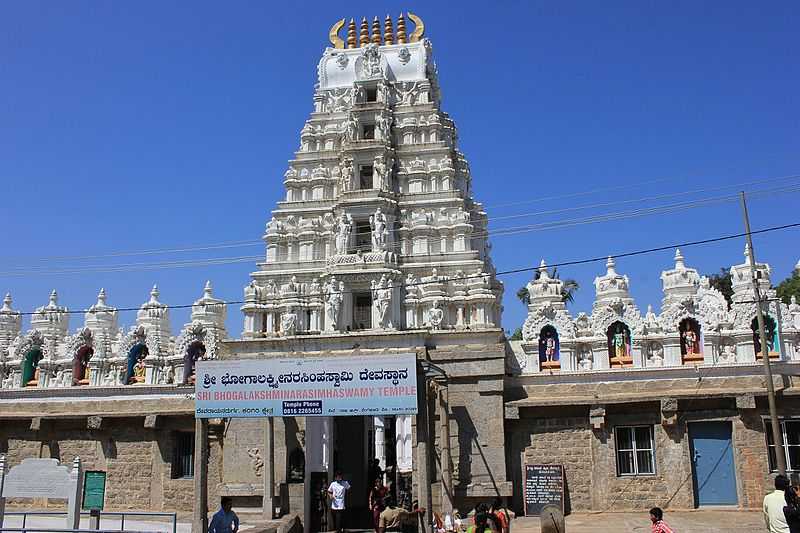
332,386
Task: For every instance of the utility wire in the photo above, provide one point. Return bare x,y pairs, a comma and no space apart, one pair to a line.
395,246
256,242
686,244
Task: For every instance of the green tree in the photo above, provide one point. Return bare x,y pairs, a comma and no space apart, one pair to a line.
722,282
517,335
789,287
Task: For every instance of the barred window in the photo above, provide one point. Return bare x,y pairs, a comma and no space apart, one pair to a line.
183,456
635,450
790,432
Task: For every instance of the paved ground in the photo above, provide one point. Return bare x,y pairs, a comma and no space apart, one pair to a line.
681,521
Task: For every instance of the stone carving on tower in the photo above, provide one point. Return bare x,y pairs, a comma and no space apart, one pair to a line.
378,192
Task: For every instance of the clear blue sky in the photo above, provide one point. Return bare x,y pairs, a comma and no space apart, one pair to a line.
140,125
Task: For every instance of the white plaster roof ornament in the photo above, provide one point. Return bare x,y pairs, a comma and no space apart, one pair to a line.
101,317
611,285
208,310
681,281
51,319
154,315
741,278
545,291
10,323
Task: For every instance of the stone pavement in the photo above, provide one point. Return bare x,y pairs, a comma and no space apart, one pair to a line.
700,521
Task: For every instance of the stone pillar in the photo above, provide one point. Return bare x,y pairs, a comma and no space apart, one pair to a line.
268,503
423,459
444,438
75,493
200,514
380,439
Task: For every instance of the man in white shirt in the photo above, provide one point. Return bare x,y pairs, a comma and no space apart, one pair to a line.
337,490
774,502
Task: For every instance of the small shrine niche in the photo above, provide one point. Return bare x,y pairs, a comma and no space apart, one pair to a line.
691,341
769,326
30,368
549,348
136,371
619,345
195,351
80,366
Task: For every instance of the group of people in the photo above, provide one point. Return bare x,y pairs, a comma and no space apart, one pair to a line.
494,518
782,507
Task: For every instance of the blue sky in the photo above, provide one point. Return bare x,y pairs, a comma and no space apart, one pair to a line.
145,125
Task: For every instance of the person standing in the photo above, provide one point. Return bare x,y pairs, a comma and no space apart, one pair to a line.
224,520
792,509
657,521
774,502
377,497
337,491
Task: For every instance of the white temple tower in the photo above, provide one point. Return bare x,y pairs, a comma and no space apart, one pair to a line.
378,229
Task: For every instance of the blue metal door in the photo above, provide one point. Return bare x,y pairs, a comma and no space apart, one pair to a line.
713,472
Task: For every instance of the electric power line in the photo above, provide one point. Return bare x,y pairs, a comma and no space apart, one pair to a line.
686,244
395,246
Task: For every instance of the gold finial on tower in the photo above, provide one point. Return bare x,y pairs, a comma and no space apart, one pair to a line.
388,35
401,29
333,35
419,28
363,39
351,34
376,31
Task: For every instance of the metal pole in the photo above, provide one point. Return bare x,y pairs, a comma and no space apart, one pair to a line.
780,456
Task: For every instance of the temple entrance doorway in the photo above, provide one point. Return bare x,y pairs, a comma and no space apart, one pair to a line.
363,448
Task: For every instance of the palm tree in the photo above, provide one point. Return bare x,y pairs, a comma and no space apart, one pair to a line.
524,296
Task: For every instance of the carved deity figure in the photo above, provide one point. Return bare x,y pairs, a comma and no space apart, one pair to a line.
333,303
344,226
351,128
379,168
80,362
727,353
620,343
549,346
383,126
585,358
436,315
139,371
289,322
380,230
347,174
690,341
382,295
314,287
356,95
371,62
655,354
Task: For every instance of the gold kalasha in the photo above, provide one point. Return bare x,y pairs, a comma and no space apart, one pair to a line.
363,36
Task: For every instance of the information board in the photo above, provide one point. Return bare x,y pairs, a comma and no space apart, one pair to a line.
319,386
543,485
94,489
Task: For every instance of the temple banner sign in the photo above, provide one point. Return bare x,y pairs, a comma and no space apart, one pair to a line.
330,386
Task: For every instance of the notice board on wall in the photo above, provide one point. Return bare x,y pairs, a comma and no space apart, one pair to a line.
543,485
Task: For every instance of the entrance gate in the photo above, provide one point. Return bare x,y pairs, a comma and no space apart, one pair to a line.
359,390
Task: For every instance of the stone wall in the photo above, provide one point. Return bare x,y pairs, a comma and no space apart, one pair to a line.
547,436
138,460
